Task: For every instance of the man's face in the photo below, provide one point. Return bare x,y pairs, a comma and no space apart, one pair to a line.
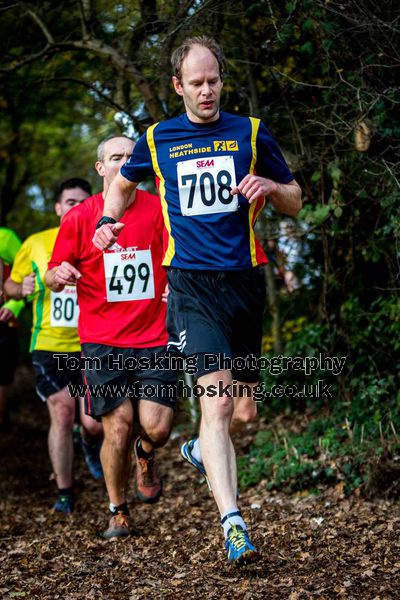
200,85
115,154
69,199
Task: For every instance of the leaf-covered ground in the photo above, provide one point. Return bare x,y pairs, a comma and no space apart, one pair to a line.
312,547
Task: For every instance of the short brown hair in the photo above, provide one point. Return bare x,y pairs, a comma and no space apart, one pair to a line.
70,184
180,53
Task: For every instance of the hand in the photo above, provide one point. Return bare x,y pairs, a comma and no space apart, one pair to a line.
253,187
66,274
28,285
106,235
5,315
164,296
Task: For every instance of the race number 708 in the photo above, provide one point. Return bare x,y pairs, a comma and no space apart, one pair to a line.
208,186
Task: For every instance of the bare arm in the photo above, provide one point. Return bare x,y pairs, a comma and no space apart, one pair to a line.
118,196
5,314
284,197
17,291
115,204
287,198
58,277
49,279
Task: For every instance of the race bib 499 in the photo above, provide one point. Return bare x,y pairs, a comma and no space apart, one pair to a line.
129,275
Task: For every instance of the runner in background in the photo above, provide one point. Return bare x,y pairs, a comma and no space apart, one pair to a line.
9,311
54,341
122,330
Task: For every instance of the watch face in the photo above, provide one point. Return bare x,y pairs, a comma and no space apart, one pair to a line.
105,220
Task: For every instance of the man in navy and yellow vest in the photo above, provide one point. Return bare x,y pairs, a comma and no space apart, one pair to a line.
215,172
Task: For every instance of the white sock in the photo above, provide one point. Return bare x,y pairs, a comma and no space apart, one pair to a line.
195,451
233,516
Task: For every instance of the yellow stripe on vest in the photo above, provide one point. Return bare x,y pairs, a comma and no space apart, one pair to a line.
171,242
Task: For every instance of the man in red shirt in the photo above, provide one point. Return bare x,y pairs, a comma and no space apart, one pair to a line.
122,331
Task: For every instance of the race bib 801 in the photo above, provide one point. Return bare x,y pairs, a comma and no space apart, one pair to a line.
129,275
64,307
205,185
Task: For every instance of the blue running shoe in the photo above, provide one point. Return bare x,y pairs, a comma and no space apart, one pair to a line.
64,504
186,451
239,548
91,454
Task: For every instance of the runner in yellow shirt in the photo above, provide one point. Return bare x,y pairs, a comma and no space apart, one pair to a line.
56,348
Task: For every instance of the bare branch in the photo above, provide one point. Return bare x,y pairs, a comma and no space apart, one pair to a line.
87,17
99,92
4,8
42,26
121,63
126,66
391,173
312,85
32,58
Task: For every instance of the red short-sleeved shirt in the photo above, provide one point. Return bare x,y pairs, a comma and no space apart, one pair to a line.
126,309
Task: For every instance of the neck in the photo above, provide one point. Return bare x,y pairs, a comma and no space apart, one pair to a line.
131,198
198,120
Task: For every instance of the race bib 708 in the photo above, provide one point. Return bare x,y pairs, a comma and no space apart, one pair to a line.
205,185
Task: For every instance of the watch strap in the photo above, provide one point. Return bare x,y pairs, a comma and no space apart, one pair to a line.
104,221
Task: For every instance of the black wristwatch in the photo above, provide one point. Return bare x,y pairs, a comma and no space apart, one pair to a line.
104,221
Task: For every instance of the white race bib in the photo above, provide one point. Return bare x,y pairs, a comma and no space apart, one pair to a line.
129,275
205,185
64,307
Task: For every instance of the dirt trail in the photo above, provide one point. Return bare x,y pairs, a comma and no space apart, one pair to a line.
313,547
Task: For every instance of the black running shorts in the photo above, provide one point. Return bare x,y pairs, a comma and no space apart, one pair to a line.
55,370
217,313
125,373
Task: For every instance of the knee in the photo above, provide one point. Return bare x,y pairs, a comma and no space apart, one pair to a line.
119,435
92,427
157,434
62,411
218,410
245,414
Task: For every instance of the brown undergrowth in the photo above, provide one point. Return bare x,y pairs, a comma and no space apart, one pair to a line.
325,546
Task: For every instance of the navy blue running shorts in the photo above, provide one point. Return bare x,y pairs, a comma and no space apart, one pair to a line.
216,316
136,373
55,370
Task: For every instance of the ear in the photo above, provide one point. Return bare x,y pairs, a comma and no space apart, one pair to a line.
57,208
100,168
177,86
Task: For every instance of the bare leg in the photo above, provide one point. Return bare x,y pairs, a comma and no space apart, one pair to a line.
156,422
61,408
91,427
245,408
216,446
115,451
